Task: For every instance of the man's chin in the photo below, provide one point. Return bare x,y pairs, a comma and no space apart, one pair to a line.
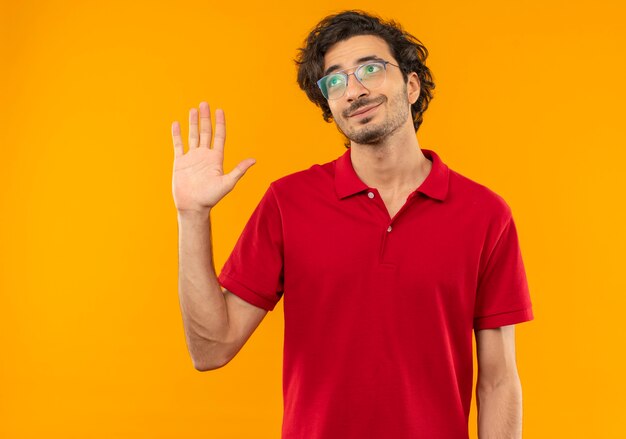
370,134
364,135
368,137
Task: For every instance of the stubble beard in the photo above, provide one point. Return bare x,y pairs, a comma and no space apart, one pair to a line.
374,134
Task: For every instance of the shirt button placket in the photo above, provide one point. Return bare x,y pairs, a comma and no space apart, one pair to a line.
371,196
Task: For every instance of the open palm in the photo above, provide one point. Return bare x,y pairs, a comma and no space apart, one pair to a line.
198,181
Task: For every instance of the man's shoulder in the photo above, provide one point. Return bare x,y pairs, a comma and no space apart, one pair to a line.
316,176
476,195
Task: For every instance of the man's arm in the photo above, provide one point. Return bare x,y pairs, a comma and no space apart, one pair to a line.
216,323
498,390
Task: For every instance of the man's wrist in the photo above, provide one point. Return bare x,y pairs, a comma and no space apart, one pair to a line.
193,215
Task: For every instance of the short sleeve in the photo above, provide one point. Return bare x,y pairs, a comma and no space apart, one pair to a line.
502,296
254,270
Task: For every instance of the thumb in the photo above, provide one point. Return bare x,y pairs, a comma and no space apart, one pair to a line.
239,170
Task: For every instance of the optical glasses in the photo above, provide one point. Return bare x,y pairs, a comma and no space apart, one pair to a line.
370,75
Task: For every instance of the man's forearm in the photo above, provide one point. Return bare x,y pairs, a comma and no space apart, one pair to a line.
202,301
500,410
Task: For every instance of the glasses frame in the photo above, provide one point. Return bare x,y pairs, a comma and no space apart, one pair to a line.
356,69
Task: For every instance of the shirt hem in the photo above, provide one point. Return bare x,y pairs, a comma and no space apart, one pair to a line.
236,287
503,319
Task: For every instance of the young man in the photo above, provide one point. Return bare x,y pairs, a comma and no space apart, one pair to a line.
387,259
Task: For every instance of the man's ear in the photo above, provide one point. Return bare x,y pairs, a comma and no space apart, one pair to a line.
413,87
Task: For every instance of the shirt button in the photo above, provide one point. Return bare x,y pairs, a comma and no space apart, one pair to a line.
389,229
370,194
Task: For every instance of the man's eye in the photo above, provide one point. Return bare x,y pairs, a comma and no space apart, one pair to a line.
334,81
372,68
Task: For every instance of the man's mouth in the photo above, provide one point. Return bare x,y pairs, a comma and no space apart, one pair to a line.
363,111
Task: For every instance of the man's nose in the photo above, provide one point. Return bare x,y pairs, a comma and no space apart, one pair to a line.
354,88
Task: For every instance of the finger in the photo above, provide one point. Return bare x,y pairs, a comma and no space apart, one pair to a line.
220,130
205,125
178,141
239,170
193,128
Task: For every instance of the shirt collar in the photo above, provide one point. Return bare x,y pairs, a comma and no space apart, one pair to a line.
347,182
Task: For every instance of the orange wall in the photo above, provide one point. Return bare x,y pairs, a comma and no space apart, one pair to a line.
529,101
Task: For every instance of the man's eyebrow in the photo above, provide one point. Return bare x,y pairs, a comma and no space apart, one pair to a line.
358,61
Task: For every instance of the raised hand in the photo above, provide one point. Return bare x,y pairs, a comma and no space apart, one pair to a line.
198,180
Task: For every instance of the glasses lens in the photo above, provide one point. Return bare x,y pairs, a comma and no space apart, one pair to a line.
371,75
333,86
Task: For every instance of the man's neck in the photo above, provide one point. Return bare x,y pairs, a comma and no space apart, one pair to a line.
393,167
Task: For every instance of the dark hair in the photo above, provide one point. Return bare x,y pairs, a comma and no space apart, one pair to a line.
405,48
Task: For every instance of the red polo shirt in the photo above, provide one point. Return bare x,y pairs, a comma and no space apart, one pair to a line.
379,311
